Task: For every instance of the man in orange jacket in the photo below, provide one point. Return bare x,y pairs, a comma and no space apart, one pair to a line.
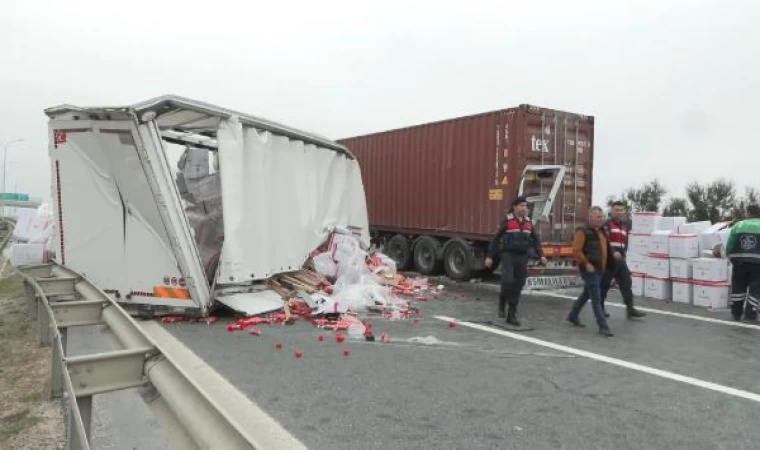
590,248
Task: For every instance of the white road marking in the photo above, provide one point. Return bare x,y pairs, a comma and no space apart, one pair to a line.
614,361
659,311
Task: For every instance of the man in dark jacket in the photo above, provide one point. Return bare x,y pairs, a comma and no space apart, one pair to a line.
515,237
743,249
617,267
591,248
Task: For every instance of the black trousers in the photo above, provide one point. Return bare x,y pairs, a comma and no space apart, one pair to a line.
514,272
618,271
745,290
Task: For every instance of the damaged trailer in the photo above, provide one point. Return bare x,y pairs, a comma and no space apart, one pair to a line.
171,205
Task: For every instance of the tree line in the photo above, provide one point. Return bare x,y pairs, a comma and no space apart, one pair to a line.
715,201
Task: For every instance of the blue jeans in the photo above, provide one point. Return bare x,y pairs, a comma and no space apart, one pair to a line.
591,290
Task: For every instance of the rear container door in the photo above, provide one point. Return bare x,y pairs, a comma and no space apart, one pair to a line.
112,225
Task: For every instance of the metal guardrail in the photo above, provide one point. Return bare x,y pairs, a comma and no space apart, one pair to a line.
61,299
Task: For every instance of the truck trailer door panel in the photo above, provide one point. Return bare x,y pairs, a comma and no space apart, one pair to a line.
111,226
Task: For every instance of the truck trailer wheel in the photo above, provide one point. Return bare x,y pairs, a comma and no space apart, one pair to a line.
400,249
457,260
427,256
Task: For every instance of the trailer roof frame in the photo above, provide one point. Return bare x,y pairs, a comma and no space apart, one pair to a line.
177,116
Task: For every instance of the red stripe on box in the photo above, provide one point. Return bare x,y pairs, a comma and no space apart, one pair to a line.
659,255
683,236
711,283
681,280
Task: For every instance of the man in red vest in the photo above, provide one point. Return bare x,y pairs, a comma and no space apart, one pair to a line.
617,233
515,237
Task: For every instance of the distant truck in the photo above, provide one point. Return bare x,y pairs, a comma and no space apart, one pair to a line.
436,192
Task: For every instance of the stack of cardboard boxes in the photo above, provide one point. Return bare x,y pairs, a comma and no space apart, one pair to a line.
671,259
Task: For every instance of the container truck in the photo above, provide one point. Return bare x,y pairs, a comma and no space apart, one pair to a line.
436,192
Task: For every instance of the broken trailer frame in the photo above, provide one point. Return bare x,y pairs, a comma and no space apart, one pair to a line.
272,195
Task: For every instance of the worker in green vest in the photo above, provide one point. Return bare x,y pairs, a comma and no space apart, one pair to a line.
743,249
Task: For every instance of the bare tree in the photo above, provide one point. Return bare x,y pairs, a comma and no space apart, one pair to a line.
714,202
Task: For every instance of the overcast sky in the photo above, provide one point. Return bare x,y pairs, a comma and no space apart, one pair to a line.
674,86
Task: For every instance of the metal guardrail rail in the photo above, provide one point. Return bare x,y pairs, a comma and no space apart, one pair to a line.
61,299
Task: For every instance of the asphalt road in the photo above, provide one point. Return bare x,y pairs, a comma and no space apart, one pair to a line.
432,386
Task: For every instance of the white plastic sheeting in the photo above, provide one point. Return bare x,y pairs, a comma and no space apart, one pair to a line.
280,198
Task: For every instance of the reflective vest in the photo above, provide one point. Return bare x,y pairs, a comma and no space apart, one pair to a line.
617,233
518,235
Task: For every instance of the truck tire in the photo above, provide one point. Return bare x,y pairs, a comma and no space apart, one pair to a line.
400,250
457,260
427,256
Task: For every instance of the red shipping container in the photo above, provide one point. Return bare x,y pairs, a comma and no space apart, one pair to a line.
457,178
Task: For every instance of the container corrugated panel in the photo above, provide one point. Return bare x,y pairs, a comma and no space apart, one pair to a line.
457,177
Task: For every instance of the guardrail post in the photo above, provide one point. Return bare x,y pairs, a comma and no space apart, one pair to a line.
44,321
85,411
31,300
57,368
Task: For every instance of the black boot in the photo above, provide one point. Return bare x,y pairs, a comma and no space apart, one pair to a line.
512,316
634,313
502,302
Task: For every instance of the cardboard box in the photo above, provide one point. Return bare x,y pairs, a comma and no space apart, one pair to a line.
713,270
681,269
635,262
660,243
657,267
645,222
711,295
670,223
683,246
683,292
637,284
694,227
28,254
639,243
658,288
709,238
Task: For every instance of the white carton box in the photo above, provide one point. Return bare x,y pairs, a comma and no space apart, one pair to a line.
710,269
639,243
711,295
635,262
684,246
694,227
681,269
27,254
645,222
709,238
660,243
658,288
683,292
657,267
637,284
670,223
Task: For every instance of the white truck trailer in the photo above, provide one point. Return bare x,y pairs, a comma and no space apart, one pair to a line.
246,199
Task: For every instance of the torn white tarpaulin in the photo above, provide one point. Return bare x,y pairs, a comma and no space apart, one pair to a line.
280,197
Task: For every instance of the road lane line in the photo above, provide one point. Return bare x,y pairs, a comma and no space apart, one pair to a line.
614,361
659,311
